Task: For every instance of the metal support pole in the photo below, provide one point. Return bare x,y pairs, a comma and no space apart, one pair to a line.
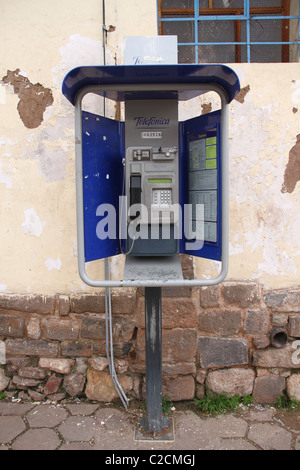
153,421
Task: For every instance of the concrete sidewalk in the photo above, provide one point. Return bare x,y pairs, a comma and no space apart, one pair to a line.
86,426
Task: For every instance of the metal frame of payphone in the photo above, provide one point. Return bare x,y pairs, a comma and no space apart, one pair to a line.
76,85
225,185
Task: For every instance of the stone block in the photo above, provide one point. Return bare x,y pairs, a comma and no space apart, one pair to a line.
93,327
33,328
19,361
261,342
24,347
294,326
201,376
121,366
12,326
123,303
76,349
176,313
241,294
74,384
123,328
121,350
185,368
220,322
100,386
28,303
32,373
60,330
62,366
52,385
222,352
98,363
293,387
279,319
178,345
235,381
283,301
273,357
4,381
179,388
268,388
88,303
200,391
22,382
35,396
178,291
210,296
81,365
257,322
64,306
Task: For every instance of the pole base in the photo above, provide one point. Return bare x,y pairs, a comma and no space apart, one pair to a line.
166,434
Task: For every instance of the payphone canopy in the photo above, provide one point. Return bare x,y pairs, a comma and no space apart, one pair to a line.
201,76
181,82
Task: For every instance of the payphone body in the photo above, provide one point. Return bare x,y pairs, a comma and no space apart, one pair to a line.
152,176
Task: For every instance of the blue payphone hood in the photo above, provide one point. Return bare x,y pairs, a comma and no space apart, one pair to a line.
216,74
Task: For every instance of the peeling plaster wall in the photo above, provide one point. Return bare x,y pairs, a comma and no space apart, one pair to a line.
264,163
42,42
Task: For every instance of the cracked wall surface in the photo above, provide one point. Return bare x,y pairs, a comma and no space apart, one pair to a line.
37,154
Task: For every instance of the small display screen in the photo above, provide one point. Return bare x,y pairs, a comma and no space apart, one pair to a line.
160,180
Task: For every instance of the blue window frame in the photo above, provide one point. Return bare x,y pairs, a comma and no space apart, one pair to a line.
223,31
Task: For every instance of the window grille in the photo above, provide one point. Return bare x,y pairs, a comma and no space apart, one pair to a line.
223,31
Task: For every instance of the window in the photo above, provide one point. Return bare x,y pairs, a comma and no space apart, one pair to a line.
223,31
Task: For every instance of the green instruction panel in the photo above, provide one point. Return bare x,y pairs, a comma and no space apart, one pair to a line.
203,183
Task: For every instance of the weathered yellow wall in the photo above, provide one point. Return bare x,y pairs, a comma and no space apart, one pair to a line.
44,40
264,217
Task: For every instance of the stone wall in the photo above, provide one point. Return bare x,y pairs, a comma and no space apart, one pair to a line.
215,338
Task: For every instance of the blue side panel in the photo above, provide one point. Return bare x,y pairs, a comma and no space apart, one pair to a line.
195,181
102,149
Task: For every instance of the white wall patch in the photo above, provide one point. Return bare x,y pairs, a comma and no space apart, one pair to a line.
32,224
52,264
5,178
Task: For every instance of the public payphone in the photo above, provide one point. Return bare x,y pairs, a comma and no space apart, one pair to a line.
165,170
152,177
170,169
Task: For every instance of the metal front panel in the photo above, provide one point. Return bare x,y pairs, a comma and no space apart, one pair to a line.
151,141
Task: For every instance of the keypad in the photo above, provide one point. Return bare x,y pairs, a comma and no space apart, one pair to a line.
162,197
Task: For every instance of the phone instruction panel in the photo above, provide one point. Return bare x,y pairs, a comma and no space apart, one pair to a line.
203,180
